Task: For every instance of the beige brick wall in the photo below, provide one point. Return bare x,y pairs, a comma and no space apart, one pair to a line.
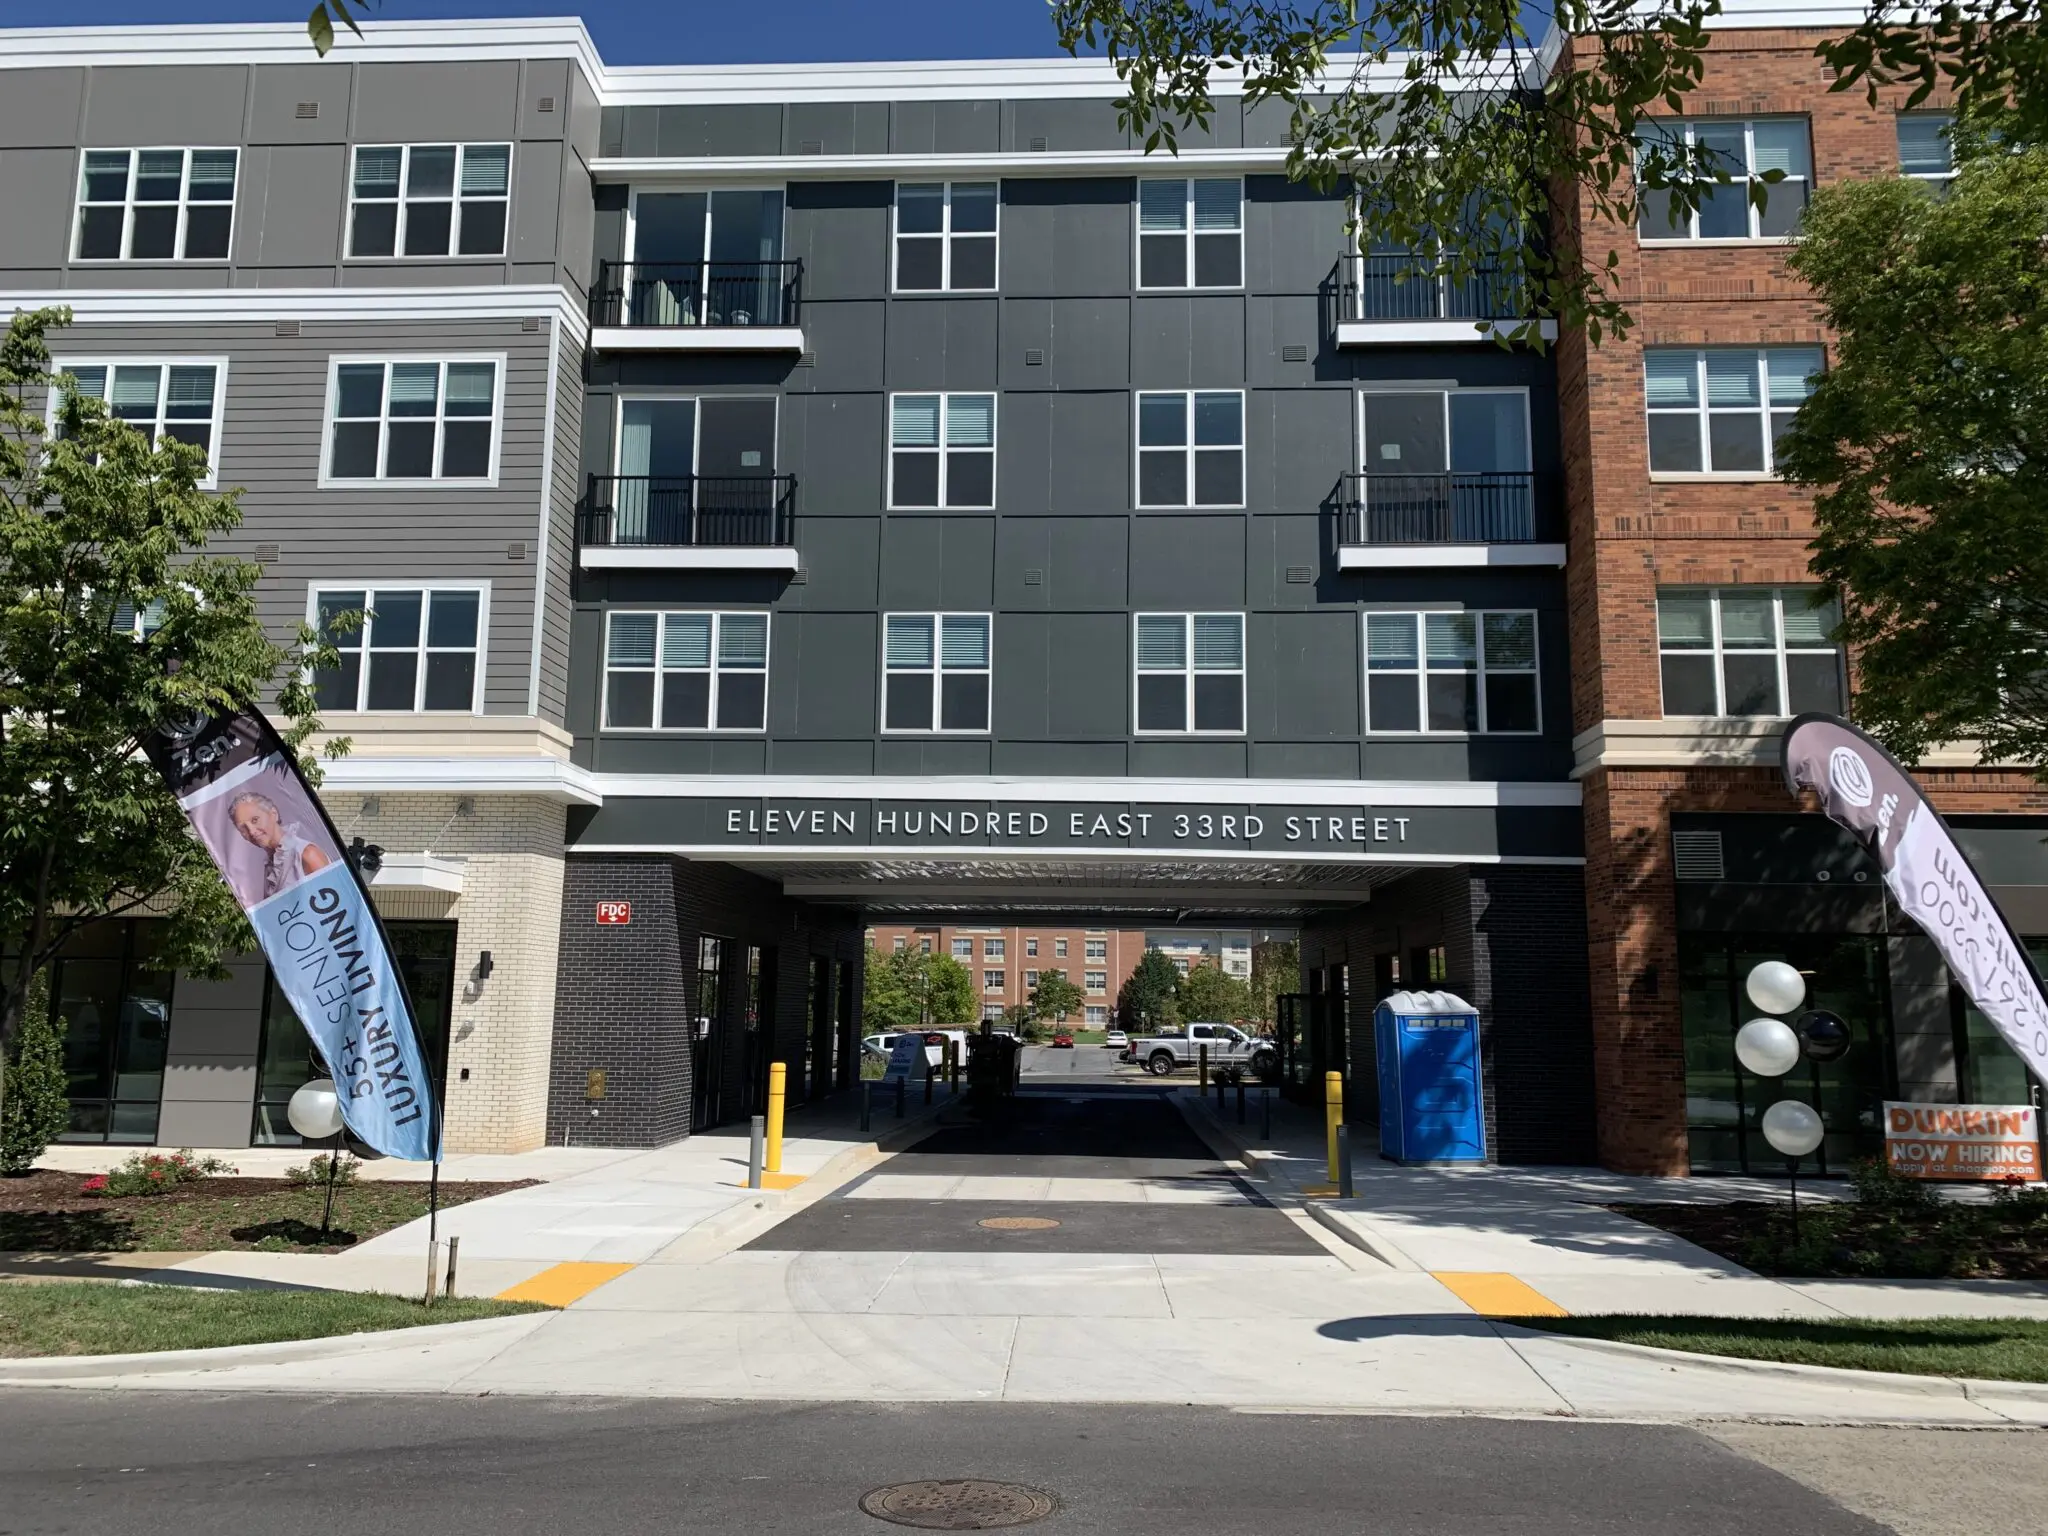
511,904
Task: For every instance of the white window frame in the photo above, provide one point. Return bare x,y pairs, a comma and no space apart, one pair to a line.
711,727
1718,651
995,981
455,199
1188,447
1031,948
1095,949
1939,181
1189,672
1703,412
994,949
1030,980
1419,617
1689,126
369,586
327,481
1096,1015
1187,233
163,363
128,203
945,234
1095,981
962,949
945,451
937,672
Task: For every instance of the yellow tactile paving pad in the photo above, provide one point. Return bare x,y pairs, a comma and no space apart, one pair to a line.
564,1283
1497,1295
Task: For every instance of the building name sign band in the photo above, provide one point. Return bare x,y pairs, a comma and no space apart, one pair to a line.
1117,828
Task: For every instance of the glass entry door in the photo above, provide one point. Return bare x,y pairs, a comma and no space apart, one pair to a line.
707,1034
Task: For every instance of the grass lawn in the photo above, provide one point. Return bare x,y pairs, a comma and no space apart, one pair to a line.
2003,1350
91,1318
46,1213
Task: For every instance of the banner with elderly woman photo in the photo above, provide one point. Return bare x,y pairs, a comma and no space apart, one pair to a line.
271,838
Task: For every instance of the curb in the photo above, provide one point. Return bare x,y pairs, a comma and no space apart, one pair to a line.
164,1362
1360,1236
1897,1383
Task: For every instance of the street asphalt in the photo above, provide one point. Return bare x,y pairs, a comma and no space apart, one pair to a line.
170,1464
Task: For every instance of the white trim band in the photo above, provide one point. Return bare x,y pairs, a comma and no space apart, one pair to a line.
230,306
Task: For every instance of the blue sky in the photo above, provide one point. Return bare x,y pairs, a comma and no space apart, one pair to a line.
666,31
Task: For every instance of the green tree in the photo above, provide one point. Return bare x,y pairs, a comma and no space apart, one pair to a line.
1456,133
34,1110
113,620
1276,968
1055,997
1926,446
910,989
1209,992
1146,999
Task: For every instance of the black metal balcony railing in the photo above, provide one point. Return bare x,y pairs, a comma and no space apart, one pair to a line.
1400,288
689,511
1499,507
710,293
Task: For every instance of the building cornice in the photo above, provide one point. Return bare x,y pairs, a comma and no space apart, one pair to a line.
1693,743
651,170
228,306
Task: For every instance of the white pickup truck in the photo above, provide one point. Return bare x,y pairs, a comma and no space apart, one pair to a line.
1231,1051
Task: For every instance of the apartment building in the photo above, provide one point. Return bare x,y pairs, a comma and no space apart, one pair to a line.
1694,636
1006,962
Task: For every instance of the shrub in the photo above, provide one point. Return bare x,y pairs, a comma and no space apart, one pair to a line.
314,1173
1880,1189
34,1110
152,1173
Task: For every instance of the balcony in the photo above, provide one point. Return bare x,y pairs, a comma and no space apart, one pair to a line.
688,523
697,306
1494,518
1391,300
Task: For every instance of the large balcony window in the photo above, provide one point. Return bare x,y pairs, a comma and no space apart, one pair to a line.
691,472
701,259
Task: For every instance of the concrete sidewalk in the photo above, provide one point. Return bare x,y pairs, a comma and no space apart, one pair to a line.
1545,1230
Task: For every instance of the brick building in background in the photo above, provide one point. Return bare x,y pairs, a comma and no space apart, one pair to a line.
1006,962
1692,640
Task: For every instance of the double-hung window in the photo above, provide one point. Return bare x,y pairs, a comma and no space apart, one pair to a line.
935,672
994,949
1468,673
429,200
1190,672
963,949
1031,948
415,419
1031,981
946,236
1059,950
942,451
1096,981
1095,949
1747,651
991,981
177,398
155,205
417,649
1721,410
686,671
1191,233
1926,153
1191,448
1747,148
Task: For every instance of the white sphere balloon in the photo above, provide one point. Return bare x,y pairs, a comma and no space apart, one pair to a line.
1776,988
1767,1047
315,1111
1793,1128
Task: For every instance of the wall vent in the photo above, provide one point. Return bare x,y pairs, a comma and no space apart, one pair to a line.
1039,145
1034,357
811,147
516,550
1034,577
306,110
547,103
529,322
1300,575
1698,856
287,327
266,554
1297,353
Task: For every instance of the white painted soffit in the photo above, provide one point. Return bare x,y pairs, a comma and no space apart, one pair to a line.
1345,793
548,777
229,306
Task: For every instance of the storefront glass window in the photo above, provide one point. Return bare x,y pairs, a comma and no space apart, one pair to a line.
116,1008
1988,1071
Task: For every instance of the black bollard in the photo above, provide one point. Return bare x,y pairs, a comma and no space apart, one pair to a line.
867,1102
1240,1101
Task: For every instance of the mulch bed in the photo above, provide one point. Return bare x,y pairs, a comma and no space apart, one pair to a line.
1848,1241
46,1213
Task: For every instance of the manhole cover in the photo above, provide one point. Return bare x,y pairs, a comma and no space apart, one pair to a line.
1017,1224
970,1504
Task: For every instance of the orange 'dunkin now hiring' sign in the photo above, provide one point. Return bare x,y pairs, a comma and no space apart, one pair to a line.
1962,1141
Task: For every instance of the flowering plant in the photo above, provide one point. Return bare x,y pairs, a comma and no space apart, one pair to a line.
151,1173
96,1185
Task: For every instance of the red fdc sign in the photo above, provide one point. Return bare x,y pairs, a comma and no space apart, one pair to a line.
614,912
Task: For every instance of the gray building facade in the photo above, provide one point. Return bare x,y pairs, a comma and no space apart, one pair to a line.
901,496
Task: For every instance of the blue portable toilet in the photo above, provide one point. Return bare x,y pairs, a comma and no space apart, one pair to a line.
1431,1108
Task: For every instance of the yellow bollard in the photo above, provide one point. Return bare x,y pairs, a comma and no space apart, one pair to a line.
778,1087
1202,1069
1333,1113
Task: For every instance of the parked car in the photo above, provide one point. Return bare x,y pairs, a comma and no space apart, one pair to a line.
1116,1039
883,1045
1063,1041
1231,1051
